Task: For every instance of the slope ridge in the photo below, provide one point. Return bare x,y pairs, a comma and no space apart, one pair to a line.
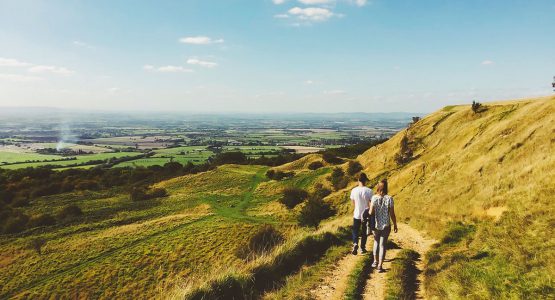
464,164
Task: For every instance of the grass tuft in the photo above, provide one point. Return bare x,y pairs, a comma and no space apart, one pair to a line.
357,279
401,279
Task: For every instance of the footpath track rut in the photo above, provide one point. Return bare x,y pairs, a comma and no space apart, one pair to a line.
333,285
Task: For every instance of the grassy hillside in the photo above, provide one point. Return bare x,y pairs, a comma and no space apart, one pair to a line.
125,249
484,184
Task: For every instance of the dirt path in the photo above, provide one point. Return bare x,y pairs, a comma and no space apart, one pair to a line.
334,284
410,238
406,238
375,285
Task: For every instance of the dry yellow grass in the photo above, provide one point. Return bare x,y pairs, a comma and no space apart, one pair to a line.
301,163
494,169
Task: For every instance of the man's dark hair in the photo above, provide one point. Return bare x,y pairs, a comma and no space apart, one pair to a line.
363,178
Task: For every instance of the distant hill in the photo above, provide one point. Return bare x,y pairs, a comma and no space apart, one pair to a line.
484,183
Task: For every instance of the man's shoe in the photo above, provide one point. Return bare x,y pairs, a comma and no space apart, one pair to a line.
355,248
363,251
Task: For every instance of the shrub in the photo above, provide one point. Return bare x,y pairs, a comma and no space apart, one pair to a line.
320,191
315,211
315,165
141,193
456,232
16,223
337,179
264,240
331,158
278,175
6,196
353,167
158,193
42,220
37,244
235,157
476,107
69,212
20,203
292,197
405,152
87,185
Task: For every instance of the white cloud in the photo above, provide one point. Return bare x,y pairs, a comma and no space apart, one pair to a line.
167,69
32,68
50,69
281,16
487,62
311,13
360,2
11,62
308,82
113,90
200,40
82,44
19,78
173,69
202,63
315,2
335,92
278,2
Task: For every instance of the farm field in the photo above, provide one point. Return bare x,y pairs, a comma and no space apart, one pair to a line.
79,159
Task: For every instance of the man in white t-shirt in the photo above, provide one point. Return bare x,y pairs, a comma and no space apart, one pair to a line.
360,197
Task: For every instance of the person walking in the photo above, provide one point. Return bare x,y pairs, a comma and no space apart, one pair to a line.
360,198
381,206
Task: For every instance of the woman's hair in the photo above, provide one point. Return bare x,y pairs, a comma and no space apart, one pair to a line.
363,178
381,187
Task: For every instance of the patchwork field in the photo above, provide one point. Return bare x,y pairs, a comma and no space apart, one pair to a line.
57,160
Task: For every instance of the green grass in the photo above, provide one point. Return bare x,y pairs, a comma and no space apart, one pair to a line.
80,159
272,271
144,245
357,278
12,157
401,278
299,285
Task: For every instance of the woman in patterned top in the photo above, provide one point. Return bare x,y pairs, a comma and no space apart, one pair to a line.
382,208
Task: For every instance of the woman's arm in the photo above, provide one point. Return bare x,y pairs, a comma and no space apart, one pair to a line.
393,218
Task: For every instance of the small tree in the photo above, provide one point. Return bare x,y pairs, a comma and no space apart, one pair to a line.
405,152
69,212
476,107
314,212
320,191
264,240
292,197
337,178
331,158
353,167
315,165
37,244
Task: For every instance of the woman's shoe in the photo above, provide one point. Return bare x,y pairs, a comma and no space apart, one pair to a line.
374,264
355,249
380,269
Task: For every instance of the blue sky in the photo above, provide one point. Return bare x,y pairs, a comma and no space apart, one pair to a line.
273,55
